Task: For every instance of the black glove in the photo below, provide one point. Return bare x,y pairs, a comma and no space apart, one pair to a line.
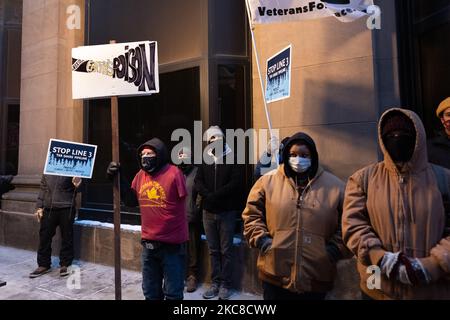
211,198
412,272
264,244
113,169
334,254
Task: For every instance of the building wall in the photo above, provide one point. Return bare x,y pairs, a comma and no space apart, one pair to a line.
337,91
47,108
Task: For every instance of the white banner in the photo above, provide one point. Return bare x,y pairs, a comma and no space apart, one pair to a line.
122,69
277,11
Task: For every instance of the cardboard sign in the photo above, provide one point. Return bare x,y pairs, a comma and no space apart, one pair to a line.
70,159
278,81
122,69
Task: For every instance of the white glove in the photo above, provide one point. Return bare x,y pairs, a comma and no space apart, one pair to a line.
76,181
273,145
39,213
403,275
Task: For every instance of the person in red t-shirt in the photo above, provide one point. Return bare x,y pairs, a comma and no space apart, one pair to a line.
159,189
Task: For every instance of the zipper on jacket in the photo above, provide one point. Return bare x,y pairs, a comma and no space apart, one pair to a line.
297,232
300,199
402,181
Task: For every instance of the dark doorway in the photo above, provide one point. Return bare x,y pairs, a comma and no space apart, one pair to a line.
424,46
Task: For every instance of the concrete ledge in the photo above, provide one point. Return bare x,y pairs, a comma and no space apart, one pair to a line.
23,197
94,243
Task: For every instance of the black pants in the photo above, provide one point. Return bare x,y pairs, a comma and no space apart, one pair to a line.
219,229
63,218
271,292
193,259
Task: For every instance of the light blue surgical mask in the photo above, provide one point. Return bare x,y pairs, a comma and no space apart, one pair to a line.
299,164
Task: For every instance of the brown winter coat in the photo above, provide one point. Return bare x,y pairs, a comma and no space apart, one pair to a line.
300,225
385,210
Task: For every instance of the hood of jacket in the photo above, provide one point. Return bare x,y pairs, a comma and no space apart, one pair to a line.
419,159
162,156
308,141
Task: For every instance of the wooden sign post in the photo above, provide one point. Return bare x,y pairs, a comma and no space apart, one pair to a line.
116,195
105,71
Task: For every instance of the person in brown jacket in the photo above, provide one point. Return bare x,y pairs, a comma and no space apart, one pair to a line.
394,218
293,217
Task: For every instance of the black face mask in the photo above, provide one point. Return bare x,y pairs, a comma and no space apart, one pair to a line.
400,147
148,163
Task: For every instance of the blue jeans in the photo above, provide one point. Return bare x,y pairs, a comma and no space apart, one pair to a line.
219,229
167,262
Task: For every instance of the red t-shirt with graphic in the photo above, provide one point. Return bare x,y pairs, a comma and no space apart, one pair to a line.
162,203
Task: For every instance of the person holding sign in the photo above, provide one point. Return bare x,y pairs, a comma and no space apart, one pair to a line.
159,189
55,207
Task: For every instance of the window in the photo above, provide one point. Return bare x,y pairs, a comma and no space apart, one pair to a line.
10,48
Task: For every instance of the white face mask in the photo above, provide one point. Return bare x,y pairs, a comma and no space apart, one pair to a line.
299,164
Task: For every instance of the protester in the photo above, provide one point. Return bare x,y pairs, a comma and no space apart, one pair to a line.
394,216
293,217
5,184
55,207
159,189
219,184
194,219
439,147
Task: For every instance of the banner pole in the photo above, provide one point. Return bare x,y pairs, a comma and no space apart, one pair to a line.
266,109
116,195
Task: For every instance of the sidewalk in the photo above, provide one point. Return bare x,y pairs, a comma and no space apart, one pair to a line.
96,281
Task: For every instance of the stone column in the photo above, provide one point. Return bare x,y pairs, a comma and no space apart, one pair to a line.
46,107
